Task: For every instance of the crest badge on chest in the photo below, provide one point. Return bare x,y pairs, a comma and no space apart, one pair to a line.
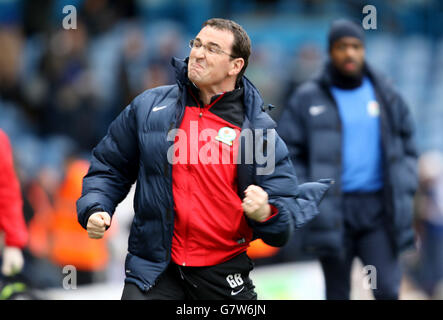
226,135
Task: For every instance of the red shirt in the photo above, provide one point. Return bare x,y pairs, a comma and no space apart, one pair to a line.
12,221
210,226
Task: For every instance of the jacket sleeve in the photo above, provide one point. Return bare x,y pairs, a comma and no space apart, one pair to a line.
282,190
409,147
113,169
12,221
292,129
296,204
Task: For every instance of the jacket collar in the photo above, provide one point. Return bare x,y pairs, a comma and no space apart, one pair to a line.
255,116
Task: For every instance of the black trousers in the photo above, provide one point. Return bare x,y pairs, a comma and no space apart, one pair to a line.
367,238
228,280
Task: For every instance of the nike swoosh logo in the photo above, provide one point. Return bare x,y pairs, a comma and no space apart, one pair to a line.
316,110
158,108
233,293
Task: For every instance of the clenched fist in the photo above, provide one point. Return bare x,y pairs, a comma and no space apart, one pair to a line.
255,203
97,224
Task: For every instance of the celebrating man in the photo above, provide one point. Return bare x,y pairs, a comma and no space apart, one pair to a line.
197,211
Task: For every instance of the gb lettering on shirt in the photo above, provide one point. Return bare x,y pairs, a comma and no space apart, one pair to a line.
235,281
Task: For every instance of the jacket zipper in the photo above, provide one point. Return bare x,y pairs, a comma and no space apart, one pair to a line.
340,130
176,124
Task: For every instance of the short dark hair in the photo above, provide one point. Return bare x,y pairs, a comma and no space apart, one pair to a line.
241,48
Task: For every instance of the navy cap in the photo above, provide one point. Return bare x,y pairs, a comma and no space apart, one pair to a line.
345,28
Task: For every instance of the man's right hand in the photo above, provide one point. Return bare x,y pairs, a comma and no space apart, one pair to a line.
97,224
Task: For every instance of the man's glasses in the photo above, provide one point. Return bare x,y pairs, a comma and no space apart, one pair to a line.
210,47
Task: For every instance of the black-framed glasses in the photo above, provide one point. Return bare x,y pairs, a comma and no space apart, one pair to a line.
210,47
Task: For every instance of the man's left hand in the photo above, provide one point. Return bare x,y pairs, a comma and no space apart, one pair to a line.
255,203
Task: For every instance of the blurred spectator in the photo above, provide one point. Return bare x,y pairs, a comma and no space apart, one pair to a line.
101,15
429,210
146,60
155,75
10,66
351,125
169,44
55,232
41,193
70,105
12,221
41,273
306,64
133,63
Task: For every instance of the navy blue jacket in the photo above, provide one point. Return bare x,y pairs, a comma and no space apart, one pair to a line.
311,128
136,147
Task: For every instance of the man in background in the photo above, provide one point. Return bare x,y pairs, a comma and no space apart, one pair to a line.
12,221
350,124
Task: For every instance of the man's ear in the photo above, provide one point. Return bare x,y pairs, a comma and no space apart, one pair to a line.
237,64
